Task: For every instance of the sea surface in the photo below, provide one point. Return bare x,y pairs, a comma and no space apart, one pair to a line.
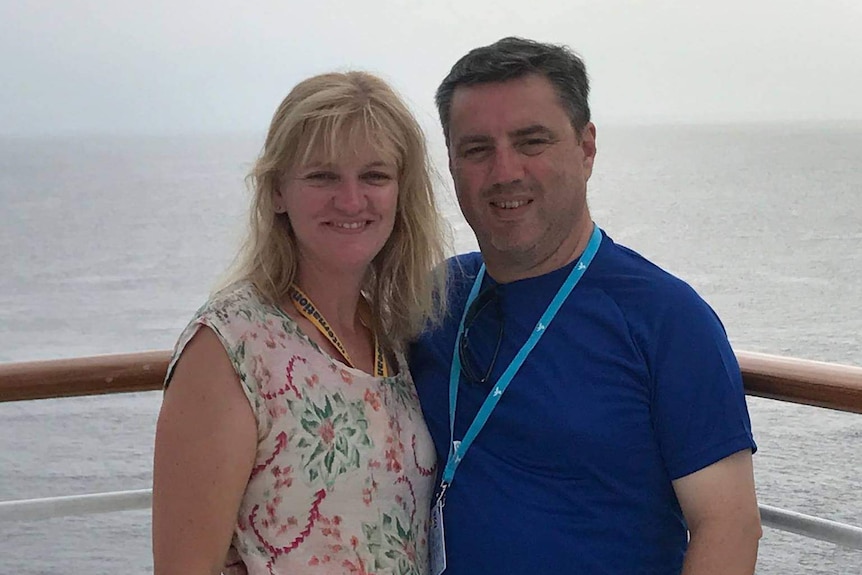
109,244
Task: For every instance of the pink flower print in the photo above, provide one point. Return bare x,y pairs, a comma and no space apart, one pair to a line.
285,483
276,411
368,492
331,532
357,568
372,398
312,380
410,551
330,527
396,425
326,432
282,479
392,462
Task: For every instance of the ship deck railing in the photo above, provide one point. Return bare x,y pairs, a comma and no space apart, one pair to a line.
805,382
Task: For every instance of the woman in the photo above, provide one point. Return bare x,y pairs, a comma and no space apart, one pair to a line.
290,439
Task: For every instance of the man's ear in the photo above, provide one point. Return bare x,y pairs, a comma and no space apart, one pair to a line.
588,146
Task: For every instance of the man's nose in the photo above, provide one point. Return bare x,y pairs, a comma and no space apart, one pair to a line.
506,166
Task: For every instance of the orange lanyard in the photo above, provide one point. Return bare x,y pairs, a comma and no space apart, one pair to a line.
305,306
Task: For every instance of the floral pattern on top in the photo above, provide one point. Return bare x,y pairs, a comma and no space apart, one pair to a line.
345,466
334,434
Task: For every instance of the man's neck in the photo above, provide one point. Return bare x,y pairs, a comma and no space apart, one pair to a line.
506,269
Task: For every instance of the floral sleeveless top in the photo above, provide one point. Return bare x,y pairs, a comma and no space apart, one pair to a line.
345,466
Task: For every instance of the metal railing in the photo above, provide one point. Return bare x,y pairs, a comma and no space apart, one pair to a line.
73,505
786,379
811,527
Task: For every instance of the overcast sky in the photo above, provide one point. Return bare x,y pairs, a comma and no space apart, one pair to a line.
178,66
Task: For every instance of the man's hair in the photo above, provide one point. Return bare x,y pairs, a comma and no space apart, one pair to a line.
511,58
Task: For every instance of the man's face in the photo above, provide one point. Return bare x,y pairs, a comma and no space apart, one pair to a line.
520,172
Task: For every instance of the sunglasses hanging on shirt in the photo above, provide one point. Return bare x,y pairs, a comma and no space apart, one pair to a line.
485,312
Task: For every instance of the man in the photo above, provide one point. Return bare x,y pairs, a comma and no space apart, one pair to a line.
599,414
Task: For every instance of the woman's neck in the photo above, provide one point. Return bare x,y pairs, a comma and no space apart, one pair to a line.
336,297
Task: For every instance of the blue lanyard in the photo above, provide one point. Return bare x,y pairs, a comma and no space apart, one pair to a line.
457,449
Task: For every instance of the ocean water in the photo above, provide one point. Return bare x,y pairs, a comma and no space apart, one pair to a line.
109,244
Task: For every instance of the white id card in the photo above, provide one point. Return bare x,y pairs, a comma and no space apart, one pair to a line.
436,540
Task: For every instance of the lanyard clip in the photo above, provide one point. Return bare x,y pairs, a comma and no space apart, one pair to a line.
441,497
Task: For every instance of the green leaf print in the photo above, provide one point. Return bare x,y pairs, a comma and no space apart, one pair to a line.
400,391
392,544
334,432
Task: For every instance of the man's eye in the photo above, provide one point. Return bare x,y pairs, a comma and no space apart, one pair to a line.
534,146
473,152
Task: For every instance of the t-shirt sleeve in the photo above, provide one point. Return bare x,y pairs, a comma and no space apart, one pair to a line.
698,400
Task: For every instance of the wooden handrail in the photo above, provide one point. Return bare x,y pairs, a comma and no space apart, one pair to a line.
783,378
802,381
101,374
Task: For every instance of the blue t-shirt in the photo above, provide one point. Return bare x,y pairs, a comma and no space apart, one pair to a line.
632,385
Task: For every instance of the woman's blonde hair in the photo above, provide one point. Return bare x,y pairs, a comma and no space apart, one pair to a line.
329,113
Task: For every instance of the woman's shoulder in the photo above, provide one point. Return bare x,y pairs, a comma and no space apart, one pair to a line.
239,300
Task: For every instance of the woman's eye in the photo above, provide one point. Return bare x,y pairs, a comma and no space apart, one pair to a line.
377,177
321,177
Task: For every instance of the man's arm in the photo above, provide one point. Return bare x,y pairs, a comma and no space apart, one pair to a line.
720,507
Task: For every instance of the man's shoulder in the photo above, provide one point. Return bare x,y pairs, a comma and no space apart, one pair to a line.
466,264
631,279
462,270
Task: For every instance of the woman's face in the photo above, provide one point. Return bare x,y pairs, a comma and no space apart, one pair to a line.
342,211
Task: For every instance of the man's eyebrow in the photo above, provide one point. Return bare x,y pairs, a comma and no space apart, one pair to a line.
531,131
475,139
